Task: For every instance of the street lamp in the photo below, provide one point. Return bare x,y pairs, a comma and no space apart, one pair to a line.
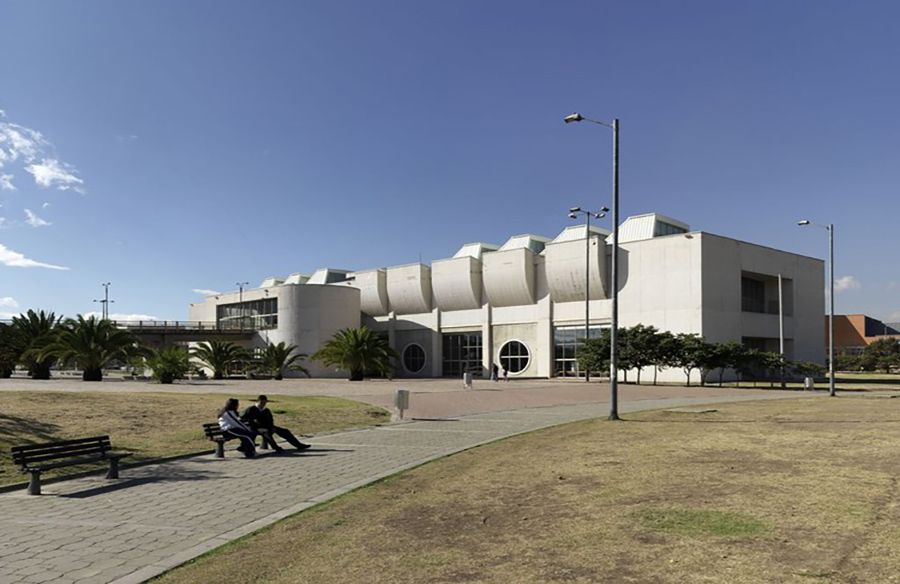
573,214
240,286
105,302
614,320
830,229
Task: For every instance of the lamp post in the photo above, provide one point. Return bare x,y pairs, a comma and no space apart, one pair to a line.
830,228
105,302
573,214
614,316
240,286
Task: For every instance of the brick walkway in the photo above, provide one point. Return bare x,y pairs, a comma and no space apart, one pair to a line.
156,517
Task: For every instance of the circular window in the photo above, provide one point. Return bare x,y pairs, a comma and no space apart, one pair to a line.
413,358
514,356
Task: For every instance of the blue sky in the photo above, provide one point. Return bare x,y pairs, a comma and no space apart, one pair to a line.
168,147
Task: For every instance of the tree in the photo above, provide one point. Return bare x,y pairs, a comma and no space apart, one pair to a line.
9,356
92,344
882,354
724,356
642,342
276,359
170,363
360,351
691,353
30,334
219,356
806,369
665,352
772,362
593,354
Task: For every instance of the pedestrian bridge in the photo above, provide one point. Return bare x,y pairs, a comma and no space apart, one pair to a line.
168,331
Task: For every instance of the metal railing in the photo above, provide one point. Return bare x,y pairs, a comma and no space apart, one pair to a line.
185,326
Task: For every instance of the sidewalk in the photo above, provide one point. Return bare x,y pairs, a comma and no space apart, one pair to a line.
156,517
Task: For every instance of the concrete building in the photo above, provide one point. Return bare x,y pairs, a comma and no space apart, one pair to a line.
854,332
521,304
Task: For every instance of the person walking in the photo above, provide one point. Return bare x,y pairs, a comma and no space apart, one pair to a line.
233,427
260,418
495,372
505,373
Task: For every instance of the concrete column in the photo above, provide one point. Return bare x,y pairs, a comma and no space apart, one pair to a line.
437,345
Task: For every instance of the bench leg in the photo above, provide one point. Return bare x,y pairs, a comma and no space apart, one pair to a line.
34,484
220,449
113,469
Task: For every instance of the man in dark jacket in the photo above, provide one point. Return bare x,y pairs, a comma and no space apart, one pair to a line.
260,418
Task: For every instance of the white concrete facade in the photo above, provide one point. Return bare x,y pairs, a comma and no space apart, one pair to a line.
516,300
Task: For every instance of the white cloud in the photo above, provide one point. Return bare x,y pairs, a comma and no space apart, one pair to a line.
52,173
12,258
45,205
205,292
21,144
3,222
34,220
846,283
6,182
8,302
122,317
2,114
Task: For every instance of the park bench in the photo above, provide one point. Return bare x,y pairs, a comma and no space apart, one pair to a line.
216,434
37,458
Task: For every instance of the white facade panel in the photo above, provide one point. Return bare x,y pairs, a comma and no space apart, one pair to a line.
409,289
372,285
565,266
457,283
509,277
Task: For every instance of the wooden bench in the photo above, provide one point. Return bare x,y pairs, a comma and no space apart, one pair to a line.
216,434
36,458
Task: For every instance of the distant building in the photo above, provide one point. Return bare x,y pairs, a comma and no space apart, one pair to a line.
521,304
853,332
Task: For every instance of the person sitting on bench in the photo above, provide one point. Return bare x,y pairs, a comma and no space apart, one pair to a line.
233,427
260,419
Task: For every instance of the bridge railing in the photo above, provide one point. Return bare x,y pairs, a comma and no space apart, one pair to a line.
186,326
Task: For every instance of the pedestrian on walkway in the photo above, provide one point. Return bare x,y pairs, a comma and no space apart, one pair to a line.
260,419
233,427
495,372
505,373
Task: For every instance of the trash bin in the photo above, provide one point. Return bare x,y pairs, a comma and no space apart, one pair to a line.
809,384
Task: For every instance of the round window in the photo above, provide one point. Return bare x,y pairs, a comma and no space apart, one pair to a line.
413,358
514,356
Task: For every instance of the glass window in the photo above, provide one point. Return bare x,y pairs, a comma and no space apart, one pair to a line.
567,341
753,295
514,356
252,315
462,352
413,358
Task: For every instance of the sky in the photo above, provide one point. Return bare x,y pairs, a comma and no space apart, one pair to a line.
173,149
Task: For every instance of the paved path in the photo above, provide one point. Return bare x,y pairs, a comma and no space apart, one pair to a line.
156,517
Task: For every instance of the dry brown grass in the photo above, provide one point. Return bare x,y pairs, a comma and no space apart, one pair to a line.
152,425
816,478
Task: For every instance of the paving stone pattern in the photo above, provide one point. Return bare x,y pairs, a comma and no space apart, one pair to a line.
92,530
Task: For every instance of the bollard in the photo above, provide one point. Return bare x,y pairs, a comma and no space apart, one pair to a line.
809,384
401,401
467,380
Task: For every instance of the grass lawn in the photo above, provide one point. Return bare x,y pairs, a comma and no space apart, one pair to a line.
775,491
152,425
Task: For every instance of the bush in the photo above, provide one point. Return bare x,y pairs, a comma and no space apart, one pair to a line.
170,364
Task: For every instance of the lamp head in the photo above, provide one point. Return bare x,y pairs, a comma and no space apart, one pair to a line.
599,215
804,222
574,209
573,117
604,209
571,216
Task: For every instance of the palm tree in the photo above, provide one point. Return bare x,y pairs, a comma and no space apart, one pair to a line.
360,351
92,344
169,364
9,355
219,355
30,334
276,359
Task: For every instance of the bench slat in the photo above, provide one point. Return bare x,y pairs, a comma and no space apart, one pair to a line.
61,455
51,449
28,447
74,461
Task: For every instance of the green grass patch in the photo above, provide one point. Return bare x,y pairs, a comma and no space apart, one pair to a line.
698,522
